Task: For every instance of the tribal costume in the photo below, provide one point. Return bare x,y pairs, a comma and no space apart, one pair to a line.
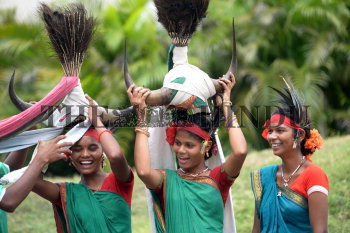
284,209
106,210
190,204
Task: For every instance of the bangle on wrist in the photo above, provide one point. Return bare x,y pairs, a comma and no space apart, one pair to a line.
142,130
142,118
141,124
226,103
100,134
233,122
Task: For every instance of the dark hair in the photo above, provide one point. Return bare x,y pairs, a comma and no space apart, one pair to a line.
205,121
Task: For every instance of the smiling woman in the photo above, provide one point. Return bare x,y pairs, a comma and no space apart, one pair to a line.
100,202
87,155
293,196
192,198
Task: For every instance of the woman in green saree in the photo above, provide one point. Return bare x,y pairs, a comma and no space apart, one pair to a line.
100,202
291,197
192,198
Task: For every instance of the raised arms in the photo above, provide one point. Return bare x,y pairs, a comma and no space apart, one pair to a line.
110,145
238,144
150,177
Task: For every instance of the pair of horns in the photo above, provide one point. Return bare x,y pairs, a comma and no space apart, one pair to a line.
113,118
162,96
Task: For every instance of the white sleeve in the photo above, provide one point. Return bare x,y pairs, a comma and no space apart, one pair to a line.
317,188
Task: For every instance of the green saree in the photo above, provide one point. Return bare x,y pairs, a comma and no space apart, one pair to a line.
192,205
83,211
4,169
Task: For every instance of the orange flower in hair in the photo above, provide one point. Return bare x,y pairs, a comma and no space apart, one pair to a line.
315,141
308,157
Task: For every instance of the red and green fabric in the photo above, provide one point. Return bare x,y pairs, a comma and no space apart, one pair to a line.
191,205
84,211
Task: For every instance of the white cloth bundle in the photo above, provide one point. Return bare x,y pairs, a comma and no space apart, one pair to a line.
196,82
74,104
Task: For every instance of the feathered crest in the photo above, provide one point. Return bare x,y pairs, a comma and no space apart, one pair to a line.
291,101
181,17
70,30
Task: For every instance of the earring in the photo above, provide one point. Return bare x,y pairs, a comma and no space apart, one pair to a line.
204,146
207,154
103,163
295,143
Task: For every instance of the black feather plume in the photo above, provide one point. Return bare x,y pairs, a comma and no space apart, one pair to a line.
293,103
70,30
181,17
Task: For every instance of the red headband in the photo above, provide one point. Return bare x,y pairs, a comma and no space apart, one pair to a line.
281,119
92,133
190,127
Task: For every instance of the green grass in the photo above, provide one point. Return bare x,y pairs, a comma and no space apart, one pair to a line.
35,214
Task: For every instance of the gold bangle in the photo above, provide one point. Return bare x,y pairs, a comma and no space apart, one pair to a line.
227,103
143,131
233,123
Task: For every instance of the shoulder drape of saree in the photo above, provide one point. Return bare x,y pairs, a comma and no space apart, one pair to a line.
280,209
4,169
256,187
3,222
60,214
192,205
85,211
157,206
295,211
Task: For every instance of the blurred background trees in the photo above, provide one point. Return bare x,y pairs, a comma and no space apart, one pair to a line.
307,41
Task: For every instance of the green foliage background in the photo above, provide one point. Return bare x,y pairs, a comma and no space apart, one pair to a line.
307,41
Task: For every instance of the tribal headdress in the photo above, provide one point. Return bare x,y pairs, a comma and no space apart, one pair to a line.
70,30
293,113
185,86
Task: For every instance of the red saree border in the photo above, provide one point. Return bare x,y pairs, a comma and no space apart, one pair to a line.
63,201
200,179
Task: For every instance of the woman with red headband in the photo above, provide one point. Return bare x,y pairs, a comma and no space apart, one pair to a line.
100,202
291,197
192,198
